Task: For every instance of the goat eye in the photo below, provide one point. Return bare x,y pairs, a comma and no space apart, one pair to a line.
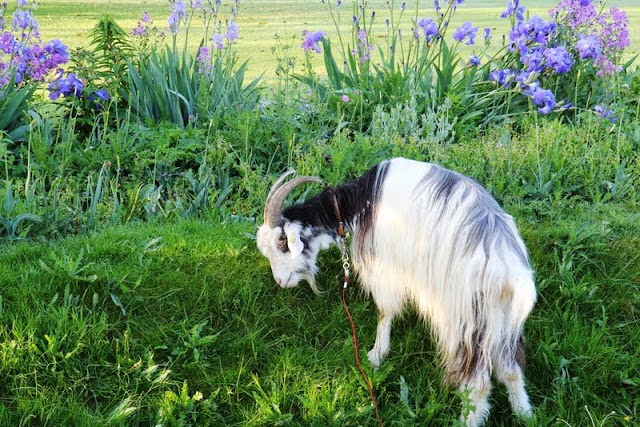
282,244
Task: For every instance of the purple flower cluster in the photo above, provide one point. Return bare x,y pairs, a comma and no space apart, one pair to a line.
364,49
69,86
179,14
142,29
23,57
203,59
311,40
559,59
601,37
525,82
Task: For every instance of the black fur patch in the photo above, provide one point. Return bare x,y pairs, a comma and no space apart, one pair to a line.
357,202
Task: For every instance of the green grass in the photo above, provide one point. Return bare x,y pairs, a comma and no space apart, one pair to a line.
261,20
113,326
156,323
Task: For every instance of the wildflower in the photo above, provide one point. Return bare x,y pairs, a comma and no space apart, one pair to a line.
474,60
232,32
146,18
102,94
22,3
605,113
533,58
502,77
204,60
311,40
197,4
23,19
66,87
345,98
178,14
543,98
487,33
429,28
559,59
514,7
364,49
465,31
577,13
139,31
588,47
218,41
436,4
8,43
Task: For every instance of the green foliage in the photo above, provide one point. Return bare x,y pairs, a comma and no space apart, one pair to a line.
14,104
169,86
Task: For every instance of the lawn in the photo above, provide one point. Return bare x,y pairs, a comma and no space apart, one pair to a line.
261,20
183,323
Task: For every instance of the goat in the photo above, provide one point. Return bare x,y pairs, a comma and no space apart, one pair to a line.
429,236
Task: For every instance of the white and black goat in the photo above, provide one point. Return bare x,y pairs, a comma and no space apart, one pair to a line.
424,235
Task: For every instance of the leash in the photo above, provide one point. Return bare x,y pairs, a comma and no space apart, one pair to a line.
345,267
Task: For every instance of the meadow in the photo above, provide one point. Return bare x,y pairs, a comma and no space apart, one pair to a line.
131,289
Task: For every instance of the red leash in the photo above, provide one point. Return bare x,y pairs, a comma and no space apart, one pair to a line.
345,266
355,343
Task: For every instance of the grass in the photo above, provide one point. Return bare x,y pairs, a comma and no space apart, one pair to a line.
152,323
261,20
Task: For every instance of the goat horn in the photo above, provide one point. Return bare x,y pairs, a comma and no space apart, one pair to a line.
278,184
273,207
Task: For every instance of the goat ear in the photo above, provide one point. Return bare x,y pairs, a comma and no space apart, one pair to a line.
295,244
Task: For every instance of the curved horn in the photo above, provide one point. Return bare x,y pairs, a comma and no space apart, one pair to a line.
278,184
273,207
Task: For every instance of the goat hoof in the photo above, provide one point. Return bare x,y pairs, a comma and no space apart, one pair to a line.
375,358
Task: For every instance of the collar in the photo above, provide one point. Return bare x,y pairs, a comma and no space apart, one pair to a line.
336,208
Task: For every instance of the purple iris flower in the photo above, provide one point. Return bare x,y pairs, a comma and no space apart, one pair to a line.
514,7
559,59
533,58
501,76
218,40
56,46
474,60
605,113
66,87
543,98
22,3
8,42
232,31
487,33
429,28
102,94
311,40
588,47
466,31
585,2
23,19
